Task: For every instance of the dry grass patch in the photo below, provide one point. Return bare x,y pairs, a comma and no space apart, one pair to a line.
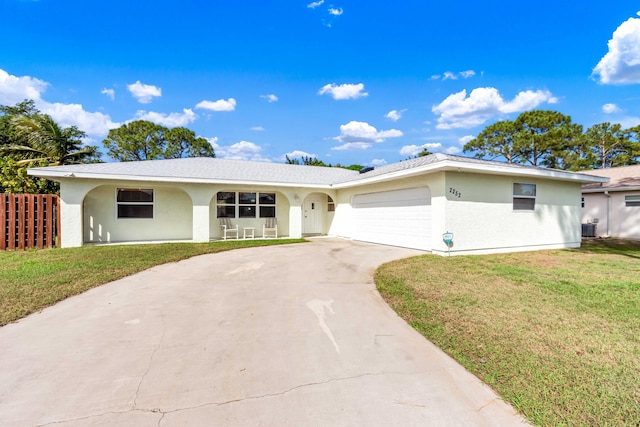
556,333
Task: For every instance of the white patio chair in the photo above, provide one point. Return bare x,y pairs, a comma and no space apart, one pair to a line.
270,229
228,231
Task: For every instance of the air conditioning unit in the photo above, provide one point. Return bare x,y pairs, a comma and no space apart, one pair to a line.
589,230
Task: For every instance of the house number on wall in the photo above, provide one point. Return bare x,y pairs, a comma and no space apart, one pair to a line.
455,192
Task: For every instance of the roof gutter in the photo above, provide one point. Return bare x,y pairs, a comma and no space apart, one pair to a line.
457,166
612,189
66,176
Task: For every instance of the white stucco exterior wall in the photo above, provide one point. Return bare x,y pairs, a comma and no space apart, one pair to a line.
173,216
479,211
614,218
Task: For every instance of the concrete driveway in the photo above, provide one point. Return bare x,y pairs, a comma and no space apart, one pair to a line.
291,335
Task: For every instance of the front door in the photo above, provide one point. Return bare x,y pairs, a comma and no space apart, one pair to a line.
312,210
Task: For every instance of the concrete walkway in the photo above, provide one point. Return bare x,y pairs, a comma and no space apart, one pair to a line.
291,335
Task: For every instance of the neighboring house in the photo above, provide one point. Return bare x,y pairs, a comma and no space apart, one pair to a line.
613,207
488,206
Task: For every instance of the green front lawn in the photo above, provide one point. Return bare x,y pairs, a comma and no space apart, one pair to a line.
555,333
33,280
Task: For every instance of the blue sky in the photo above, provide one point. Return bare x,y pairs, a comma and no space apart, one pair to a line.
365,82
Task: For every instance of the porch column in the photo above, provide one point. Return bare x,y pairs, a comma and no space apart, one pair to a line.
72,195
201,228
70,224
295,219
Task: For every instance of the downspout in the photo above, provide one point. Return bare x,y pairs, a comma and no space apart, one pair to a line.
606,193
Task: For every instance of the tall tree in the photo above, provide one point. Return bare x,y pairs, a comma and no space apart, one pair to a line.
45,142
7,132
134,141
610,145
182,142
305,160
495,141
540,133
144,140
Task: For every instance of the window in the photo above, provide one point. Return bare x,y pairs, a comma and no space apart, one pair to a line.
134,203
632,201
524,197
246,204
331,206
247,208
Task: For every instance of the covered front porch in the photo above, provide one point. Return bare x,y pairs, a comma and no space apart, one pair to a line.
127,212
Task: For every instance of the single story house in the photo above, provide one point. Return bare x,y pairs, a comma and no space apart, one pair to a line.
488,206
613,208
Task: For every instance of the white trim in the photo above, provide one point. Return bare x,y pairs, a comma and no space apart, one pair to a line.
437,166
611,189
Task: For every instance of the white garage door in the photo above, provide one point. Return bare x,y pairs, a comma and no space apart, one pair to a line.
398,218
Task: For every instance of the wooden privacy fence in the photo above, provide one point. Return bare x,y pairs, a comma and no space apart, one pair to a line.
29,221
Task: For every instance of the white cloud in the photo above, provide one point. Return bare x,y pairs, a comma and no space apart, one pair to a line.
465,139
170,120
335,11
257,128
352,146
629,122
453,150
610,108
344,91
109,92
378,162
219,105
16,89
243,150
356,132
458,111
213,141
621,64
144,93
74,115
413,150
296,154
528,100
315,4
395,115
270,97
448,75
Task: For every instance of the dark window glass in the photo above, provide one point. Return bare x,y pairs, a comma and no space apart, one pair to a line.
126,195
247,211
521,204
267,211
226,211
267,198
135,211
247,198
226,197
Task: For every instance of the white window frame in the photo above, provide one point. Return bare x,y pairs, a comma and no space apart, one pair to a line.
257,205
524,196
132,203
632,201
